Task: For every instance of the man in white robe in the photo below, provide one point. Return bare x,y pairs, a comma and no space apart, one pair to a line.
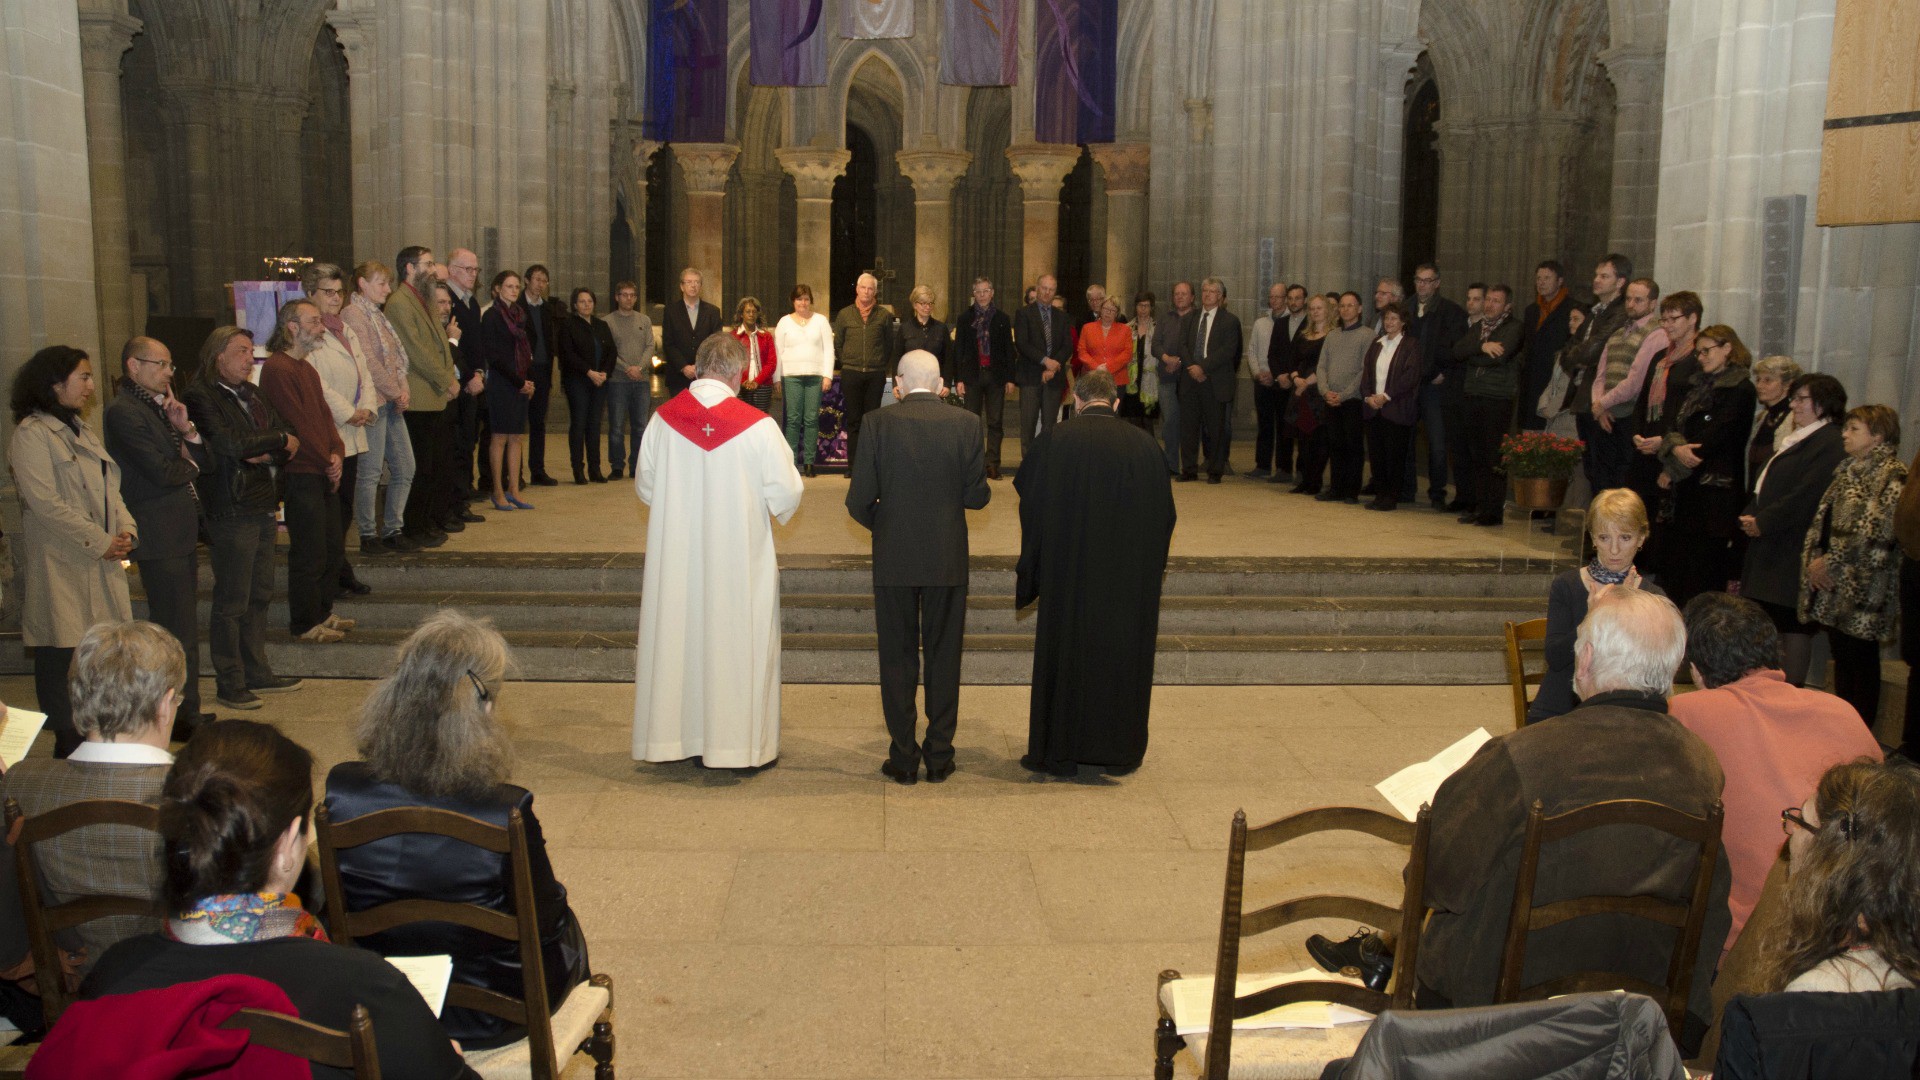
712,470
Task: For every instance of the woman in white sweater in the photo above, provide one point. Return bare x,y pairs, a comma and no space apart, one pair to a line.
804,343
341,360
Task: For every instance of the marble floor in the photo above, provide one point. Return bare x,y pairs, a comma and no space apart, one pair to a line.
816,920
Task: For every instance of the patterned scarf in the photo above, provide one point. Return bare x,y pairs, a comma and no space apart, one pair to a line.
179,441
1487,328
235,918
1657,393
516,320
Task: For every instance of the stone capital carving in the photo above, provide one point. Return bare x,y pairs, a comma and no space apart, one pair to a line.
354,29
1638,74
813,170
105,37
1125,165
933,171
1042,167
706,165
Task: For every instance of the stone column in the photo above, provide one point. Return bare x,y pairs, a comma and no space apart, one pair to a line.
1041,167
105,37
633,182
1125,166
706,166
933,173
813,171
1638,75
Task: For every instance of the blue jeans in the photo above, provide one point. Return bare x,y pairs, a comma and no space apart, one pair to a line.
802,394
629,404
1434,415
387,445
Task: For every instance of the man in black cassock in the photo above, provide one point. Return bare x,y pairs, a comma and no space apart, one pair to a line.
1096,516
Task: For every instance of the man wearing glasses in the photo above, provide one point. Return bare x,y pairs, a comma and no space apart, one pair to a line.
160,454
1774,740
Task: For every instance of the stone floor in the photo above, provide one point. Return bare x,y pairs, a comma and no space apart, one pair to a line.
816,920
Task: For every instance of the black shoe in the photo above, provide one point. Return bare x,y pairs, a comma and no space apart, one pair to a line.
1468,518
400,543
373,545
1187,477
1489,523
1383,504
1351,500
433,538
1280,478
1259,474
237,699
1364,954
543,480
579,474
1460,505
453,525
470,517
1326,496
1439,504
1304,488
596,476
903,777
355,587
279,684
614,474
1367,488
811,471
939,775
1213,478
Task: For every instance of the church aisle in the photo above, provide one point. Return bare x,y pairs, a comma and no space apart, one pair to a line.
816,920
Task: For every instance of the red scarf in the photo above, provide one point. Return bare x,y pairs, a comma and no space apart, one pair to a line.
1549,305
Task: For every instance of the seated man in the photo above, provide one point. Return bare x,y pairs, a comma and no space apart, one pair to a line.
1773,739
126,682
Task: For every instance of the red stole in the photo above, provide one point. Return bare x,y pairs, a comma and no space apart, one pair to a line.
708,429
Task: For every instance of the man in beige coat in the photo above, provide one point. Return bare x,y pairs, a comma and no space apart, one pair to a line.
431,383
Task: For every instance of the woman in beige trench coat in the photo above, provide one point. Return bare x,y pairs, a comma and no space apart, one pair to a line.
74,528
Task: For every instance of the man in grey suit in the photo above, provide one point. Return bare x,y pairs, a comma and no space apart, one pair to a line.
921,467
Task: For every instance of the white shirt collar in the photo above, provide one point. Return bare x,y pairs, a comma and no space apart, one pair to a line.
105,753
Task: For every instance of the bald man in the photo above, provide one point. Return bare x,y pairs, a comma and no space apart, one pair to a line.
160,454
923,466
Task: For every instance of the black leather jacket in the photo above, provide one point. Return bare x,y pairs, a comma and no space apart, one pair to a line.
232,486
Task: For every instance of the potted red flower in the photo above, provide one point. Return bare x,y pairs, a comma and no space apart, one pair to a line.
1541,465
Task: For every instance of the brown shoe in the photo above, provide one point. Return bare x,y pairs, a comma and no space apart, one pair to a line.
993,472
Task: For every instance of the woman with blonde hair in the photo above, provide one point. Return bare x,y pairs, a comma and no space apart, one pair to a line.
1309,415
921,331
1617,521
430,736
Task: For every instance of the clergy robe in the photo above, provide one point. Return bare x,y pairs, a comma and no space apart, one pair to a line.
707,677
1096,516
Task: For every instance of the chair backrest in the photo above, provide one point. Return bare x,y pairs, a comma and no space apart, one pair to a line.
1686,918
44,920
533,1011
1521,674
350,1049
1236,925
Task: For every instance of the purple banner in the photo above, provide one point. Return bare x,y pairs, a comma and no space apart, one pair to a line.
687,71
788,43
1076,54
980,42
862,19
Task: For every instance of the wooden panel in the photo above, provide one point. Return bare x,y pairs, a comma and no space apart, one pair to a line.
1870,175
1870,155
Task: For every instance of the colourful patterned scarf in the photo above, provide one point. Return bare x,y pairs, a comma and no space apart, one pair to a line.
233,918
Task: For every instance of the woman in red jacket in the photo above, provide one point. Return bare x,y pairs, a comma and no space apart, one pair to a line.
756,384
1107,343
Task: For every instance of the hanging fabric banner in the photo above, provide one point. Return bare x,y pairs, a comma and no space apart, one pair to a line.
876,18
687,71
788,43
1076,53
979,42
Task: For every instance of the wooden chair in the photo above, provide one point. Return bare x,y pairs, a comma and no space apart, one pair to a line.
583,1023
350,1049
1236,926
1687,918
43,920
1519,674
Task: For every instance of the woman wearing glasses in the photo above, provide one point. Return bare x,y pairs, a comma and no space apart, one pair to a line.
1703,465
430,737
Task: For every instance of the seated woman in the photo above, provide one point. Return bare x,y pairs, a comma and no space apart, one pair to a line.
429,737
1853,852
234,816
1617,521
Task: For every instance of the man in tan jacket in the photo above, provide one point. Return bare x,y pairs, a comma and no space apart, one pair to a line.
431,383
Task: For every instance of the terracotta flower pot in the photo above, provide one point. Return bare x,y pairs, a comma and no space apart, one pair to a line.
1540,492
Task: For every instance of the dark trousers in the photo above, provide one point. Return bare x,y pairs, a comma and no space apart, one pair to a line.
1433,414
537,426
1910,645
1313,459
987,399
313,530
1197,400
917,623
242,561
337,539
1487,420
50,666
173,602
1272,439
860,394
431,498
1387,444
470,442
1607,452
1539,374
1036,408
1346,448
1453,419
585,405
1856,673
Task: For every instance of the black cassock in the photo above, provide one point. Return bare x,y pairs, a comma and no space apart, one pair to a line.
1096,516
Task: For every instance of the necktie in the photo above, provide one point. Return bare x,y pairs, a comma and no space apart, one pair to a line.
1046,328
1206,327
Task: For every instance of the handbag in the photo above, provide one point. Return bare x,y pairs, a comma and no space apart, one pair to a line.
1553,400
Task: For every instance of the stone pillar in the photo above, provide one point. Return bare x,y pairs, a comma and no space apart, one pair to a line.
933,173
105,36
706,166
1638,77
1125,166
813,171
633,182
1041,167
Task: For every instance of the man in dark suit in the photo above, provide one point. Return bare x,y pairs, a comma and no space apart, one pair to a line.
160,454
544,315
470,434
1043,344
922,470
683,326
1435,323
981,365
1206,385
